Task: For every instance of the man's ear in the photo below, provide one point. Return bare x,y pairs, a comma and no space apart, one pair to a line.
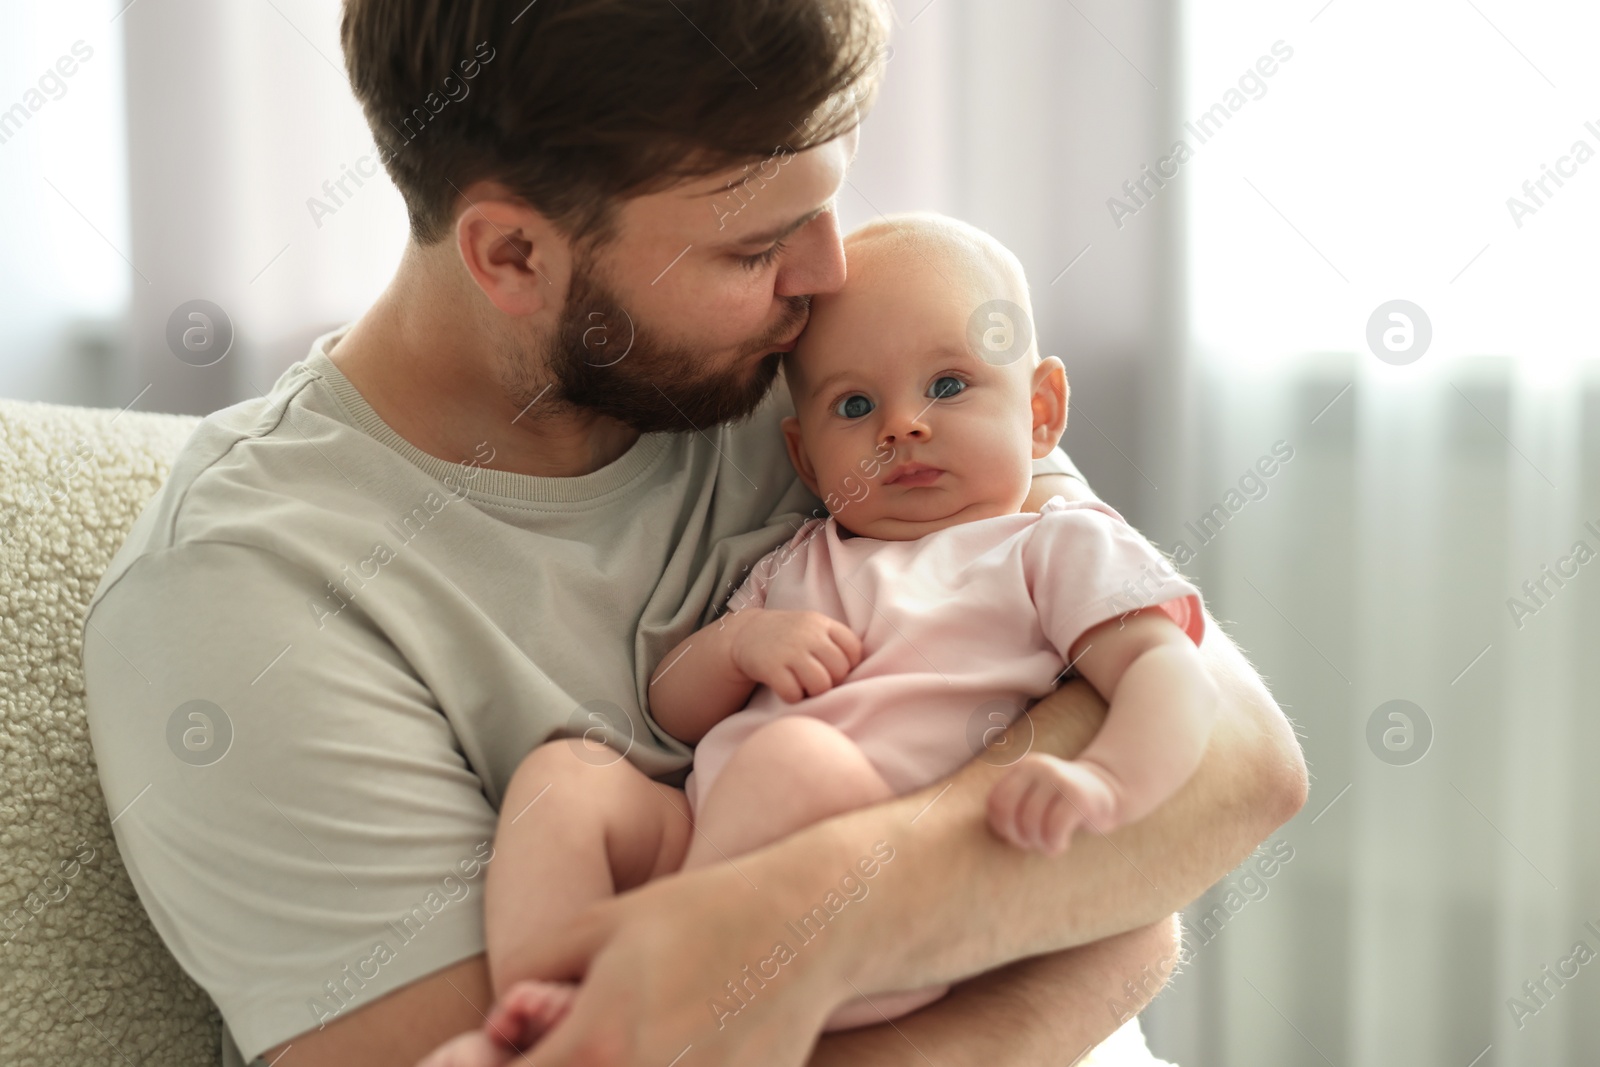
797,454
511,250
1050,393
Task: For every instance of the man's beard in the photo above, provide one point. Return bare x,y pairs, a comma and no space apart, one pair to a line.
605,362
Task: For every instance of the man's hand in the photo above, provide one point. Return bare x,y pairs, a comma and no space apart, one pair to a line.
656,964
691,962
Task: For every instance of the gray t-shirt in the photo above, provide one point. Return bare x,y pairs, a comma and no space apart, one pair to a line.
321,654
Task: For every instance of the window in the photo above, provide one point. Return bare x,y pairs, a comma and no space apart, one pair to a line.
1437,153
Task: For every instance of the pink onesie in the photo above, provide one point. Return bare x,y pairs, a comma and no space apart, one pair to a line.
955,626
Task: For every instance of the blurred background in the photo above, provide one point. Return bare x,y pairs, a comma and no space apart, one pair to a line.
1336,354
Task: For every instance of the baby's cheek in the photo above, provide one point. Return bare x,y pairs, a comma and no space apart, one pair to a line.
844,492
855,488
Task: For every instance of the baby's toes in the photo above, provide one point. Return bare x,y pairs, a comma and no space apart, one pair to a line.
527,1011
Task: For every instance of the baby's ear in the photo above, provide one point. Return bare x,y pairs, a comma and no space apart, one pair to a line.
797,454
1050,393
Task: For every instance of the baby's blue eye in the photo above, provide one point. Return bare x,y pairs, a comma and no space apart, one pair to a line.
946,386
853,406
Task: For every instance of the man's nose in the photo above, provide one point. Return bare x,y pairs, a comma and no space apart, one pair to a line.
814,259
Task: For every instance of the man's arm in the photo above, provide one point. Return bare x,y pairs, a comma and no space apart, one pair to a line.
1024,1015
952,901
960,900
1040,1012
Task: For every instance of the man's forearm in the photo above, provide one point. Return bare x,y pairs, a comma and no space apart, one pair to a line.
1032,1013
957,900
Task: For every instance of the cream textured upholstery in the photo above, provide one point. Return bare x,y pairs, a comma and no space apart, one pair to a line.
83,977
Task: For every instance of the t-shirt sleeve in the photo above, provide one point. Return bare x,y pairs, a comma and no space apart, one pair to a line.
1085,565
290,803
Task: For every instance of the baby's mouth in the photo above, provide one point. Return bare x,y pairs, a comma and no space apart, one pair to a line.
912,475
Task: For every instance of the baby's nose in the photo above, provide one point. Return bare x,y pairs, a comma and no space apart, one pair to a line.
907,424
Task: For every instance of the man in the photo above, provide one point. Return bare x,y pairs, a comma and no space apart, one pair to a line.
479,516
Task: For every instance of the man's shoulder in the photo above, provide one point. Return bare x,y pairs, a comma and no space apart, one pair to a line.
247,468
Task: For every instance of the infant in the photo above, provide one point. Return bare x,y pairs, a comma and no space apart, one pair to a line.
880,648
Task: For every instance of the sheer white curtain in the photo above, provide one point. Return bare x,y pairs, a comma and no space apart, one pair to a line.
63,287
240,116
180,163
1363,526
1445,858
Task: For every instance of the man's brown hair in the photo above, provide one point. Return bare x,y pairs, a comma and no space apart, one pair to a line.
577,104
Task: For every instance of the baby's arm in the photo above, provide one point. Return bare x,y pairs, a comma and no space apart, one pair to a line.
1162,705
712,673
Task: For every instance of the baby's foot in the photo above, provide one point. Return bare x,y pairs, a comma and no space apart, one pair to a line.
527,1011
1044,799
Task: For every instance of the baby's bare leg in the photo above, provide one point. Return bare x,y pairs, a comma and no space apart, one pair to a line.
578,824
791,773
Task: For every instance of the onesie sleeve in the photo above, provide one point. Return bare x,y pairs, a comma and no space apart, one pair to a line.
1084,565
752,592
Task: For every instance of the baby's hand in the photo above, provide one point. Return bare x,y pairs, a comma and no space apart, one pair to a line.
1044,799
797,653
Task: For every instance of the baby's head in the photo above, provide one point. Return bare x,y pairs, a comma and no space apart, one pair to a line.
920,401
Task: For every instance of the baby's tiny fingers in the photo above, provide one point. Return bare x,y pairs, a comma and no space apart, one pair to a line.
813,675
833,659
1033,809
1004,804
846,639
1059,823
786,685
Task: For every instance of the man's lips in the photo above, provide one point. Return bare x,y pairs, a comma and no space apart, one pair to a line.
794,338
913,474
788,346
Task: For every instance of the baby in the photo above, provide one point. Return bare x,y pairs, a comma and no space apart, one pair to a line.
862,659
